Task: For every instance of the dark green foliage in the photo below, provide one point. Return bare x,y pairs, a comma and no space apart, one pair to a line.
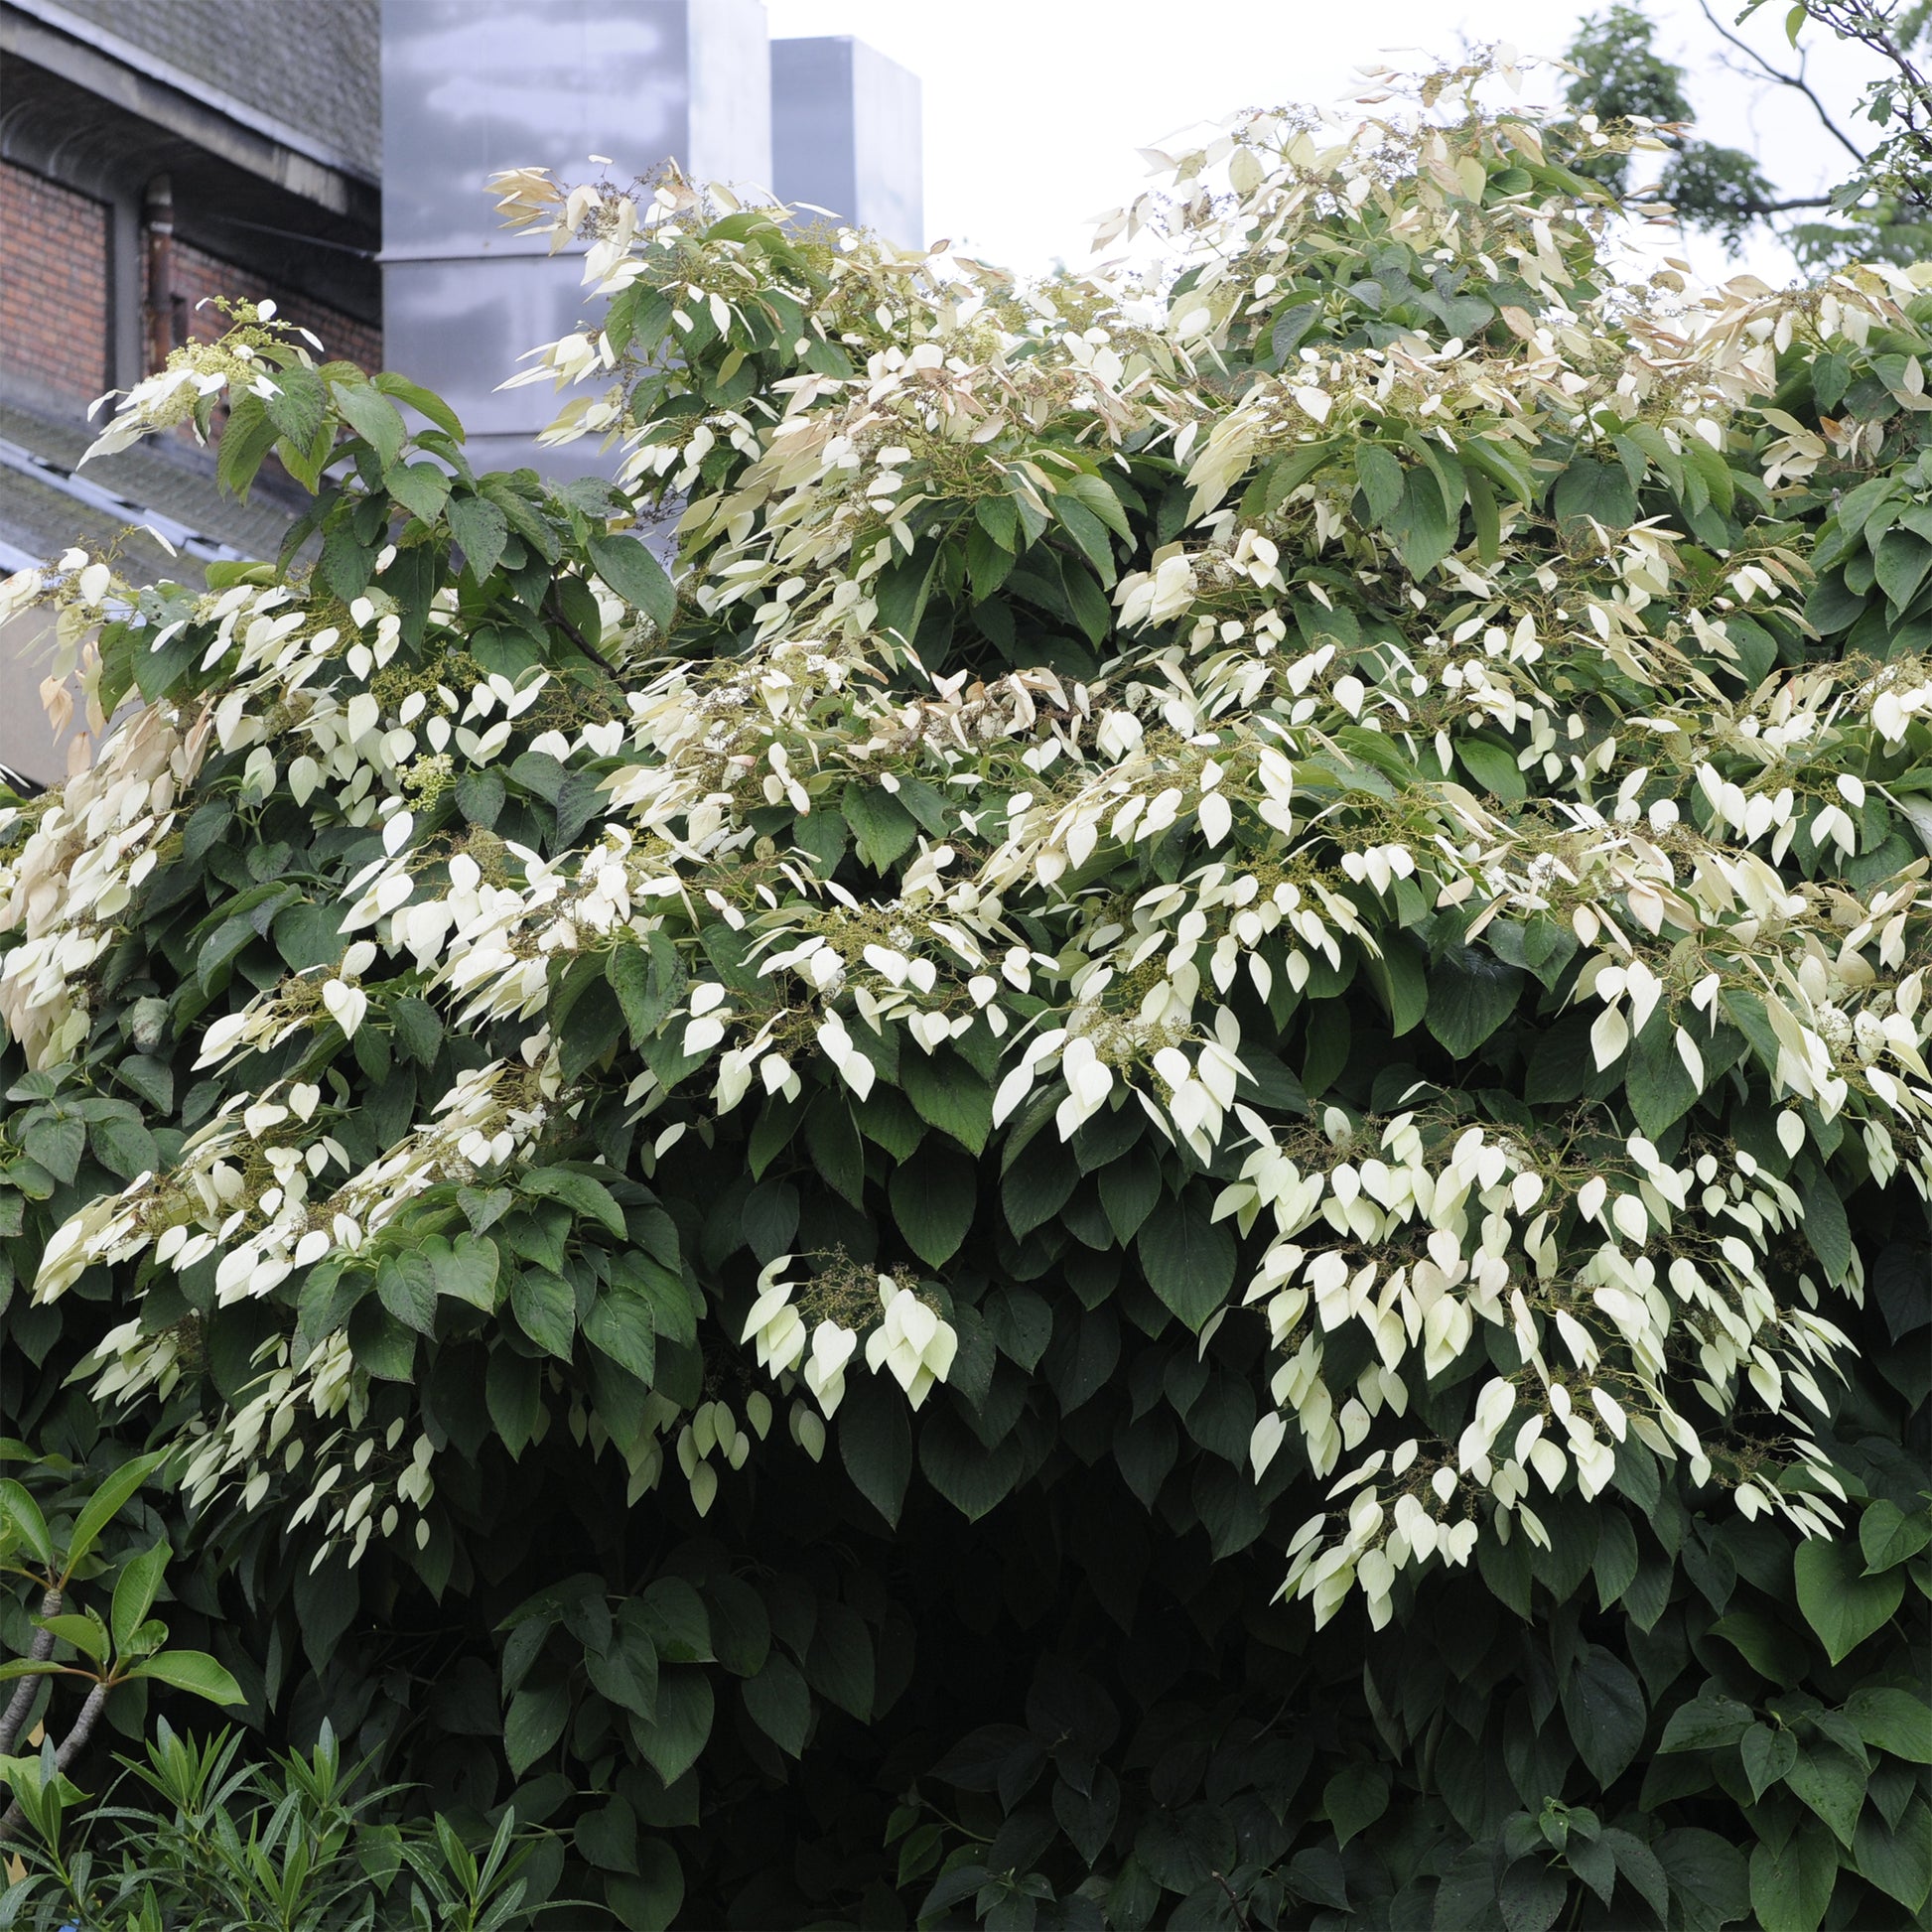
1007,1647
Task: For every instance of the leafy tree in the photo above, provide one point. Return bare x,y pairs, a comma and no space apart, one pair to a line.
1159,1159
1878,212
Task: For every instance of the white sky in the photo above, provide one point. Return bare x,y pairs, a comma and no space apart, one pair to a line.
1034,109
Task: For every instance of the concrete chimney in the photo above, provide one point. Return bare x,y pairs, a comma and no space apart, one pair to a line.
846,135
468,89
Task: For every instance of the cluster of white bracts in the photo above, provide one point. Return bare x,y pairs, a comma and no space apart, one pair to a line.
911,1341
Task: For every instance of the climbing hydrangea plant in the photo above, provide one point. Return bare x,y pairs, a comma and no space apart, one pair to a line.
1333,831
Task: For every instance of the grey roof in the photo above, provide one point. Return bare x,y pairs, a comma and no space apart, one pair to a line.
41,516
315,64
40,519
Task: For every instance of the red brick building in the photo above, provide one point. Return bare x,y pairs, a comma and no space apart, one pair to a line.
151,153
230,145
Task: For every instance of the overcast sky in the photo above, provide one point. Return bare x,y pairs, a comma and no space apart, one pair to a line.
1034,109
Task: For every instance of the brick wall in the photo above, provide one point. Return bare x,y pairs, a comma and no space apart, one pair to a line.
53,287
198,274
53,319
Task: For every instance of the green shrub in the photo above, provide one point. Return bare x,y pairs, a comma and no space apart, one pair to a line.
1160,1160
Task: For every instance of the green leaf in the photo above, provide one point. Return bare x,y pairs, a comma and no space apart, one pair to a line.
513,1393
1769,1648
1710,1882
1034,1189
876,1446
665,1289
420,488
373,417
1767,1754
465,1269
884,828
1637,1866
18,1667
588,1198
106,1503
1792,1883
1130,1188
972,1478
1532,1896
1826,1226
1492,767
1378,475
56,1144
1285,336
677,1619
627,566
1600,490
123,1146
426,402
300,407
624,1669
406,1287
684,1712
545,1307
650,1901
533,1725
1486,514
1656,1081
607,1837
1897,1859
1888,1537
832,1139
1895,1721
480,529
840,1664
1832,1782
948,1094
622,1323
152,1079
1088,532
779,1703
1903,563
380,1344
1093,492
1604,1706
135,1590
84,1630
1287,473
933,1195
1400,981
194,1671
1423,531
1708,1723
1188,1260
1354,1798
22,1515
247,438
1615,1563
1841,1603
1470,994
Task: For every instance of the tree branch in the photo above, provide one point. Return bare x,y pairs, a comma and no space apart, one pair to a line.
553,607
71,1747
1870,30
28,1688
1796,80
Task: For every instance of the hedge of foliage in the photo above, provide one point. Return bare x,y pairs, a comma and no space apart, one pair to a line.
1162,1159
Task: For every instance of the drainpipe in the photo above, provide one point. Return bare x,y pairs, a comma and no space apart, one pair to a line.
165,310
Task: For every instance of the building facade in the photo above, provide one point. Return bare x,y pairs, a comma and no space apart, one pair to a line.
154,153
